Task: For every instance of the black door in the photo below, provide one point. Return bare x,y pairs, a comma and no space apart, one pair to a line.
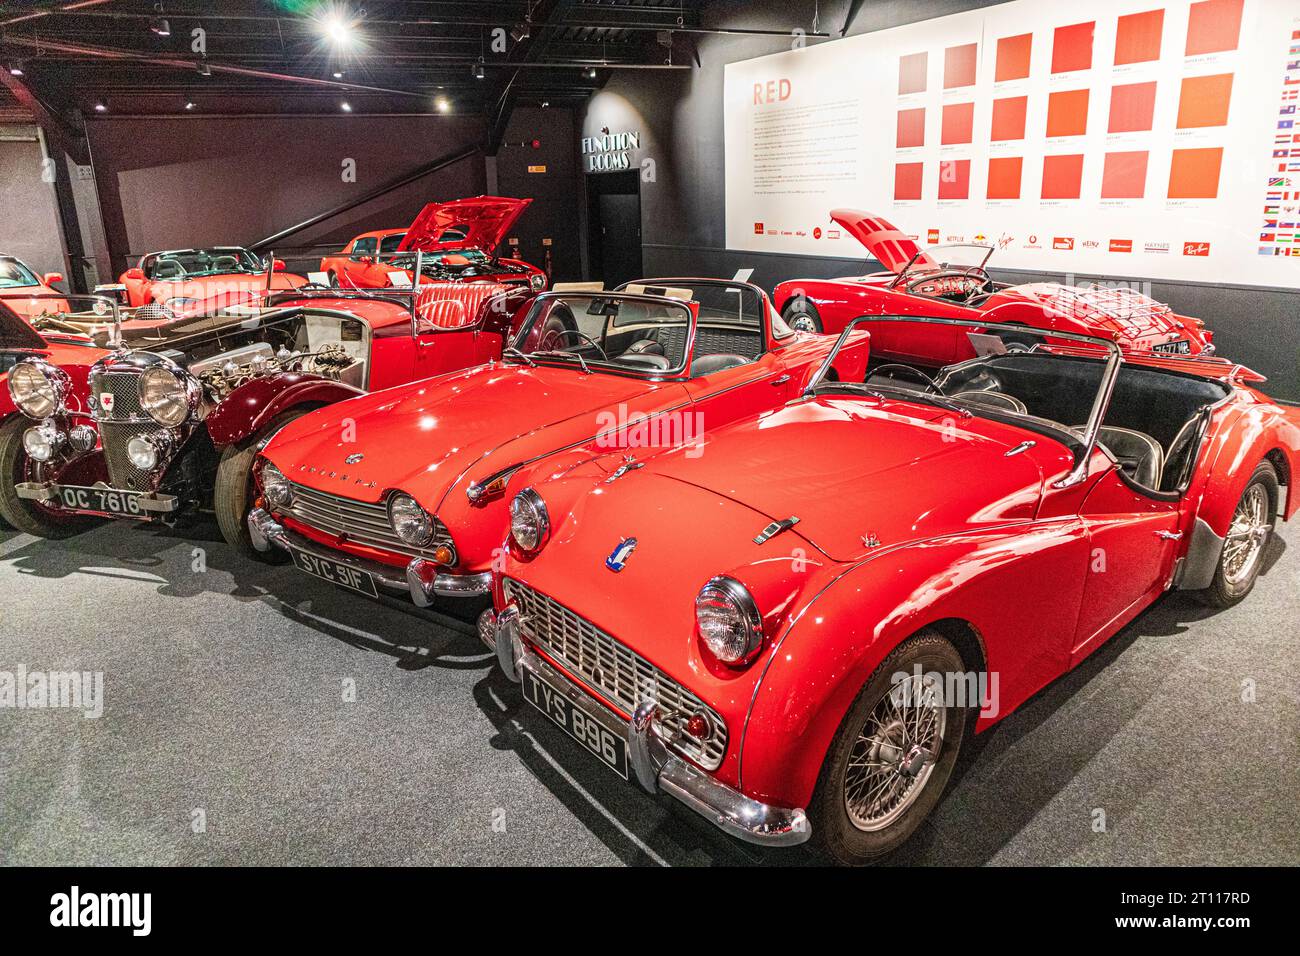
615,227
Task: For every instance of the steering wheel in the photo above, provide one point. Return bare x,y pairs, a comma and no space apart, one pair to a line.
930,384
972,281
553,336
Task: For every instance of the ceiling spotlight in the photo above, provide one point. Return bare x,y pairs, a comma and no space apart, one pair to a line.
338,74
160,26
189,104
16,68
477,71
345,106
589,72
442,104
545,103
338,27
203,68
520,32
101,107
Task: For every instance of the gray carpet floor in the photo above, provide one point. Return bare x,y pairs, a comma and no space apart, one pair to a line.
227,737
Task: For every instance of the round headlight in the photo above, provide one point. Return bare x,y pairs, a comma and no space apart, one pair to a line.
180,303
42,442
728,620
142,452
412,523
537,282
164,397
276,487
38,388
529,522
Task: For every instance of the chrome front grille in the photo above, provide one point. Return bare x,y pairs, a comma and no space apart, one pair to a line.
360,522
125,389
123,475
622,676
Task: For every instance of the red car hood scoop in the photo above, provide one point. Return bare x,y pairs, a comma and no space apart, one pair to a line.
884,241
854,475
478,223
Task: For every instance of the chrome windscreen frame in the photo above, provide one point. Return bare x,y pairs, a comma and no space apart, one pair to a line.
1100,403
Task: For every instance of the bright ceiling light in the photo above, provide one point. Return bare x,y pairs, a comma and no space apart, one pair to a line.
477,71
338,26
16,68
189,104
345,106
442,104
101,107
338,74
160,26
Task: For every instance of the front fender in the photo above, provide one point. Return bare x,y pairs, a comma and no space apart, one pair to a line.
1019,589
253,405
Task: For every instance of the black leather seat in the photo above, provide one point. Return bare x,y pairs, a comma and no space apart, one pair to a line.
1181,451
1139,455
708,364
167,269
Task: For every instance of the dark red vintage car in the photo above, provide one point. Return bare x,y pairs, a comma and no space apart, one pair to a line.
950,281
458,239
182,406
795,631
415,498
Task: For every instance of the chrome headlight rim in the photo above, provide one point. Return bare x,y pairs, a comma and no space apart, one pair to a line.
276,488
724,602
174,409
51,439
537,282
54,386
528,515
425,527
158,444
177,303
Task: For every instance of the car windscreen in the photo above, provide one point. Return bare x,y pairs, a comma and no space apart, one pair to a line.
388,245
636,333
955,257
13,273
192,263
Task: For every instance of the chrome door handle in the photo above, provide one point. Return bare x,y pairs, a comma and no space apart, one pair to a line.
781,380
1169,535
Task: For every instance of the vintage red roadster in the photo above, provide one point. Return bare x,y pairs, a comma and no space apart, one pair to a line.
181,407
458,239
951,281
795,631
180,279
413,497
26,292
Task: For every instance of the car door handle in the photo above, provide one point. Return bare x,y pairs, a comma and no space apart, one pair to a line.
1169,535
781,380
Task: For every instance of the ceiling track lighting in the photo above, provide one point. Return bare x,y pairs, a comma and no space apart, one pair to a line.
101,107
203,68
477,71
159,24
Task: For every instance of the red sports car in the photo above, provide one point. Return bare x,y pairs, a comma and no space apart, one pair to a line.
27,293
182,406
458,240
795,632
180,279
414,497
951,282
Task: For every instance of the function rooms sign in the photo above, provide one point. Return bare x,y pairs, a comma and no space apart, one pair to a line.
1120,137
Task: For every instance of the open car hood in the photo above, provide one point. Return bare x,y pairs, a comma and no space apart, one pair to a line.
483,221
884,241
15,333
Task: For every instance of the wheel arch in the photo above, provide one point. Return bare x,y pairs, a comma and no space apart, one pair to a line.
249,408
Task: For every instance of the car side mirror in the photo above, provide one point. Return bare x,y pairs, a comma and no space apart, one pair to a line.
136,274
278,265
52,277
365,260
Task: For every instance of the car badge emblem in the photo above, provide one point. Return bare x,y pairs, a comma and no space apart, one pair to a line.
353,459
106,401
618,559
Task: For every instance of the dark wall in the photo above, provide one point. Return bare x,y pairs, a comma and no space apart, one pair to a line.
29,216
553,186
679,116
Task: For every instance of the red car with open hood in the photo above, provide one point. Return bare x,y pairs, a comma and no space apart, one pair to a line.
950,281
458,238
408,491
795,631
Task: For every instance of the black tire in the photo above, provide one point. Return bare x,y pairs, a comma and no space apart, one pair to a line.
834,832
1019,343
800,314
1227,588
232,498
20,513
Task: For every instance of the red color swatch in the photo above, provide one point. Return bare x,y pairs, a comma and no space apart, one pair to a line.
1131,107
1194,173
911,73
1013,57
1213,26
1204,101
959,66
911,128
1009,118
1072,47
954,179
907,181
1067,113
1062,176
958,123
1137,38
1004,177
1124,176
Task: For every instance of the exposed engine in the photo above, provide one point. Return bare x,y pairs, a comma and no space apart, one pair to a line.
222,374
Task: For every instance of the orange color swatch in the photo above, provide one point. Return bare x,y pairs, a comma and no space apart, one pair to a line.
1213,26
1004,177
1124,175
1204,101
1194,173
1067,113
1131,107
907,181
911,128
911,73
1009,118
958,122
1062,176
954,179
1137,38
1013,57
959,66
1072,48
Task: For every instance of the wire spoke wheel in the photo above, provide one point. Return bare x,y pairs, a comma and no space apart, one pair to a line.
895,752
1247,535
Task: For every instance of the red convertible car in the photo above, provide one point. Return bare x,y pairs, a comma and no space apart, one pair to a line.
25,292
458,240
182,407
416,499
795,632
951,282
181,278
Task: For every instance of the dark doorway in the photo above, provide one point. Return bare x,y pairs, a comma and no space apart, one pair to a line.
614,243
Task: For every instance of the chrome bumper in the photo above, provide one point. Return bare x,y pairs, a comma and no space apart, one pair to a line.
422,582
47,493
654,768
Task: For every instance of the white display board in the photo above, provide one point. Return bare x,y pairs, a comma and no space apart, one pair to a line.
1117,137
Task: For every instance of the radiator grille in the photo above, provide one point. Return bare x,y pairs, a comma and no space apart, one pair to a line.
123,475
624,677
360,522
125,389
